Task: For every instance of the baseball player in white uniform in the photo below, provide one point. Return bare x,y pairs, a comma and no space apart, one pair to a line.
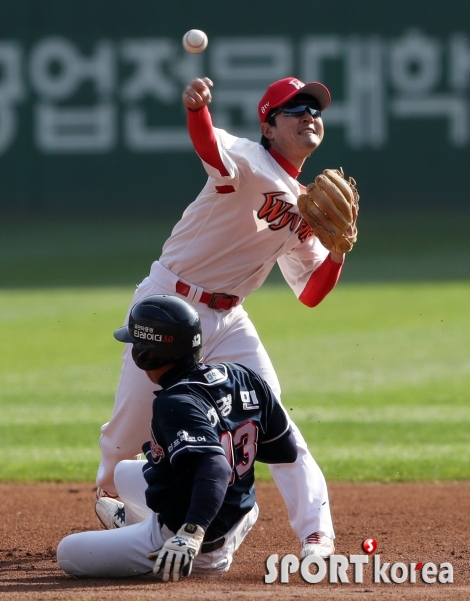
227,241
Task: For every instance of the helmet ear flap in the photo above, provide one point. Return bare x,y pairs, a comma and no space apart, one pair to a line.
145,357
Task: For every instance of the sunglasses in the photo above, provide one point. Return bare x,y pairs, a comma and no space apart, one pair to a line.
296,111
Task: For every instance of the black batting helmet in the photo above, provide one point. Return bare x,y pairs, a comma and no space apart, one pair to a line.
163,329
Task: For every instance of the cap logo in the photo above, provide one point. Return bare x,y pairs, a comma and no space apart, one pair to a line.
264,107
296,83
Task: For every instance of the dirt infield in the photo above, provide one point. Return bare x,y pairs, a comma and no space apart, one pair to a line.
411,523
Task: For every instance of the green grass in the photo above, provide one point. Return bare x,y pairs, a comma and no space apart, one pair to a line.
49,254
377,377
108,253
59,369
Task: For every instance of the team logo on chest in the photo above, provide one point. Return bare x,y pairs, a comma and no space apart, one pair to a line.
214,375
276,213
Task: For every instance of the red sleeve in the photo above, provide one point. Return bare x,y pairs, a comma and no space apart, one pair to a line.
203,138
321,282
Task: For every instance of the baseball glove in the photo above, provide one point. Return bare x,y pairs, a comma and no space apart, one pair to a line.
330,208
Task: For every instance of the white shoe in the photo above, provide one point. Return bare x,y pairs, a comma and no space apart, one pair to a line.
317,544
110,512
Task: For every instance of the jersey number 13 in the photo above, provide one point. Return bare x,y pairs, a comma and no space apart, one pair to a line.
241,445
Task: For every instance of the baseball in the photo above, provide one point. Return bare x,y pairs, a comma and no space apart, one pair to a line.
195,41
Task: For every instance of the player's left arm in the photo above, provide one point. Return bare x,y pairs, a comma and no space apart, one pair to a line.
211,477
194,449
281,450
323,280
276,443
311,271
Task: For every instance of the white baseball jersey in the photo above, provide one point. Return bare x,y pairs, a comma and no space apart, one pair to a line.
229,242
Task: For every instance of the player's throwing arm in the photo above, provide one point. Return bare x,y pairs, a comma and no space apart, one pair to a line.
197,93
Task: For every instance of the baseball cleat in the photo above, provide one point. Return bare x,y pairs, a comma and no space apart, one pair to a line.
110,512
317,544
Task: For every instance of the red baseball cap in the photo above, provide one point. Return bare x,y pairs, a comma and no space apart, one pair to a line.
283,90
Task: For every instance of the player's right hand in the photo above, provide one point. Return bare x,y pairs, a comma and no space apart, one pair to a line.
197,93
175,559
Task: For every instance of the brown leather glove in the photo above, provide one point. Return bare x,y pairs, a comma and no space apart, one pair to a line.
330,208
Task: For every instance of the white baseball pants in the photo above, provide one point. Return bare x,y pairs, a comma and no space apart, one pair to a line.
123,552
226,336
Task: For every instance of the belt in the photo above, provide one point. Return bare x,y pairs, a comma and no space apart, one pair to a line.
214,300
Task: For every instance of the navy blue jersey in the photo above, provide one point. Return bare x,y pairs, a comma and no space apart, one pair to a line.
224,408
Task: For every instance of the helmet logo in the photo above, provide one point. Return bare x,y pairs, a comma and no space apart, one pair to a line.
162,328
147,336
146,333
142,328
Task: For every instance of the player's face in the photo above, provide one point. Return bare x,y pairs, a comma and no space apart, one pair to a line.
295,136
305,131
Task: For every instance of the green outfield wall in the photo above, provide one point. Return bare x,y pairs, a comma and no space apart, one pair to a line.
91,121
